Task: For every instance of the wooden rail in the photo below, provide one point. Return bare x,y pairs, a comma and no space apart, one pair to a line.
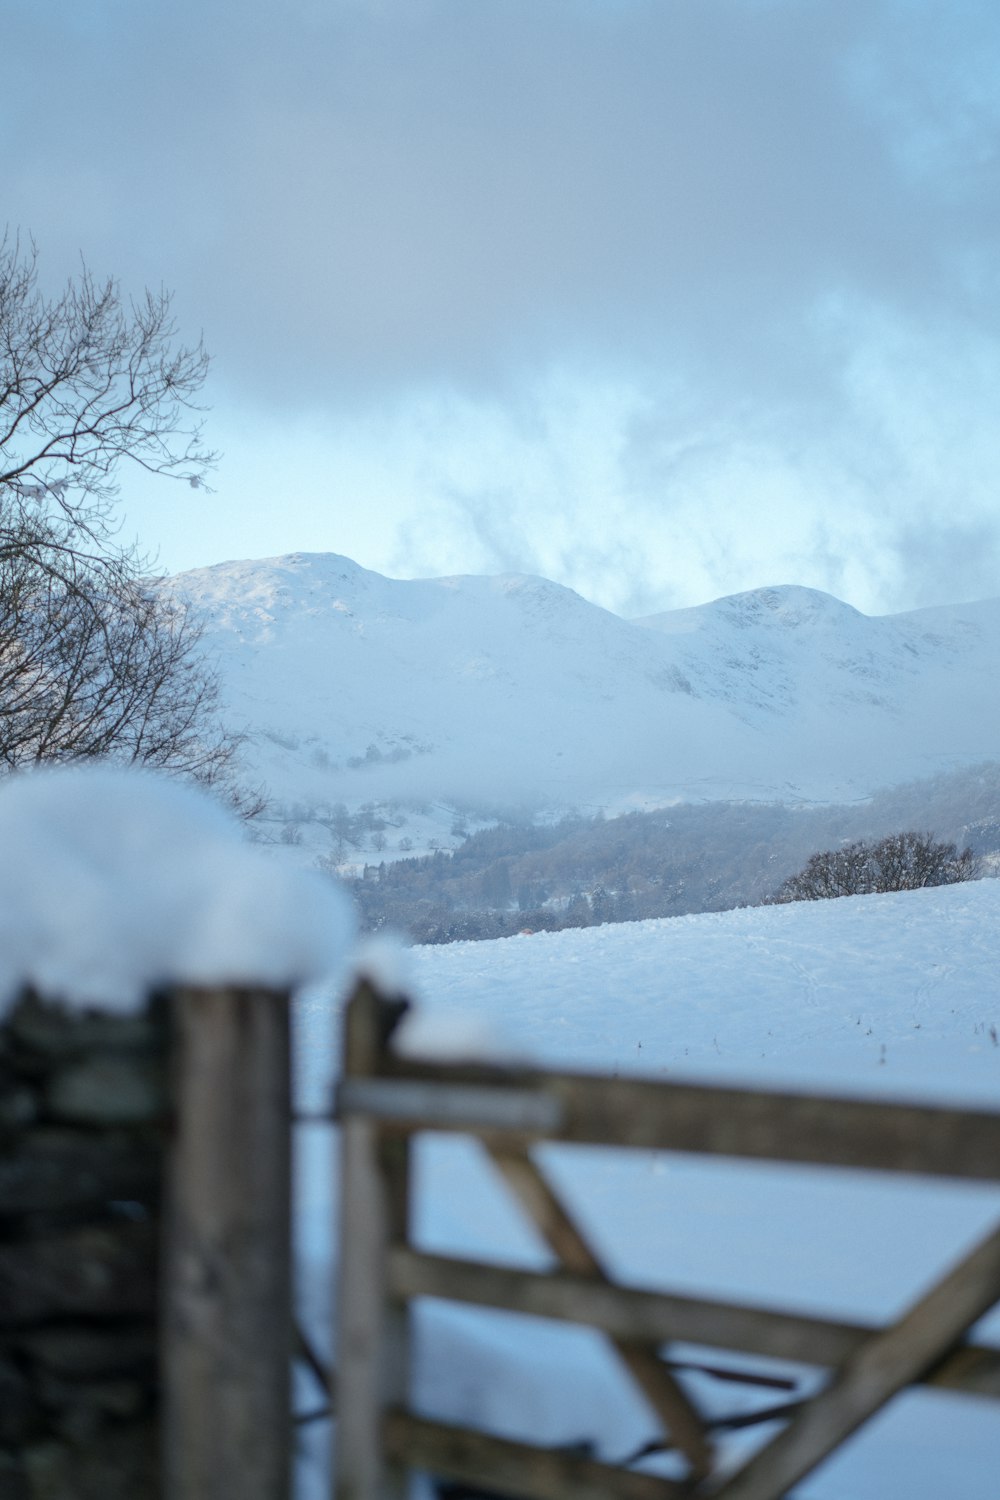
588,1109
385,1099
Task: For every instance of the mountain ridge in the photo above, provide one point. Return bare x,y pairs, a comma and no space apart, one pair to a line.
485,692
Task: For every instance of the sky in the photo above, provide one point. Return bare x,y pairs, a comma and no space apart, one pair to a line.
661,299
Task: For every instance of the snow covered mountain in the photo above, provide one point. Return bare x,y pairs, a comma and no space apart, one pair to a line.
483,693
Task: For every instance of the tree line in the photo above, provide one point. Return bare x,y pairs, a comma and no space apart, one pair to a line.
700,857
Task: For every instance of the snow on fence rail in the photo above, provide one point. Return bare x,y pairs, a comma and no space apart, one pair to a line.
385,1098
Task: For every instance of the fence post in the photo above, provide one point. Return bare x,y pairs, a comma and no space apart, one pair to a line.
226,1289
373,1330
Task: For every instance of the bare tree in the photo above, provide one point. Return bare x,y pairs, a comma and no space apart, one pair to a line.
95,658
900,862
87,382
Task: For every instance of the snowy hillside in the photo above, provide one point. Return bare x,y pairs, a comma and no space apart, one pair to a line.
885,995
481,693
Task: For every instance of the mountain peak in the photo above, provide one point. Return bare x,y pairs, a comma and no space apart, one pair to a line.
778,606
786,605
514,691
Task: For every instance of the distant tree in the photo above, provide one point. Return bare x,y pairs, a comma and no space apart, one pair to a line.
901,862
495,884
603,907
96,659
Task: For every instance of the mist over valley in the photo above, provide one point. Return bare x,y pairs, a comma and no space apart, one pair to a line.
483,754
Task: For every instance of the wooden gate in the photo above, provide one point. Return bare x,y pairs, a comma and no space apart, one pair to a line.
384,1099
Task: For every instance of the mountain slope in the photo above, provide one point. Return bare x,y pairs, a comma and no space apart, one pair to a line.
515,692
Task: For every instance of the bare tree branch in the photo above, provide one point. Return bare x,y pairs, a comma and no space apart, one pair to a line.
95,658
87,383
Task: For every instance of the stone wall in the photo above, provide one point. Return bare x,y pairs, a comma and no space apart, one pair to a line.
81,1152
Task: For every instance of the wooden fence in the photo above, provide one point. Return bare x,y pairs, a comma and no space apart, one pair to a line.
384,1099
104,1158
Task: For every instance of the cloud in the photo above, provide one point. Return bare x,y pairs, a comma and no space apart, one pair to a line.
645,495
659,299
358,195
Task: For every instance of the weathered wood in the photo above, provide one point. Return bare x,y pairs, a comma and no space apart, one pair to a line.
226,1272
703,1118
373,1356
304,1350
369,1341
509,1109
457,1106
662,1390
546,1211
628,1313
394,1163
881,1368
501,1467
971,1368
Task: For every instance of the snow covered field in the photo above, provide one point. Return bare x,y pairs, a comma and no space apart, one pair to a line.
888,995
893,995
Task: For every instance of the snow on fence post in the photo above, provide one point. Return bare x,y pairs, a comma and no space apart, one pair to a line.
373,1325
226,1340
118,884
